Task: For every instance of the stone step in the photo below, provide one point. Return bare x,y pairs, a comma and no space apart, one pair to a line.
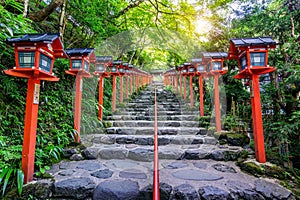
128,179
151,118
145,153
134,105
161,130
144,123
150,112
92,139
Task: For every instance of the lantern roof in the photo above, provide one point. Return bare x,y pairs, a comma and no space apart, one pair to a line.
104,59
117,62
217,55
258,41
241,44
79,51
196,60
45,38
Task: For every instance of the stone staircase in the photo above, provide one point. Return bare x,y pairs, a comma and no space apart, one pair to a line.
180,137
118,164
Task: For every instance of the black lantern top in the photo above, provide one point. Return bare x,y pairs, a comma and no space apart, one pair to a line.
214,61
252,55
199,66
35,55
114,69
102,62
122,69
80,59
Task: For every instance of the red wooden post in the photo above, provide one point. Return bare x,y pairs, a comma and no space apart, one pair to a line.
201,99
257,121
127,86
176,83
100,99
131,84
121,89
180,85
137,83
184,87
77,113
114,92
29,141
217,102
101,65
191,92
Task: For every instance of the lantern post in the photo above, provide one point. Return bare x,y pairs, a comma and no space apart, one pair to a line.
184,74
127,74
34,57
191,72
101,66
114,73
215,68
252,56
131,71
201,71
121,71
179,69
80,59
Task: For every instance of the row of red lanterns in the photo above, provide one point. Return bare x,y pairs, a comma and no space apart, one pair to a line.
252,57
35,55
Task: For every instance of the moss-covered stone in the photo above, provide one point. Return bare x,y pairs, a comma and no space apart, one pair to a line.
37,190
220,135
252,168
107,124
237,139
275,171
244,154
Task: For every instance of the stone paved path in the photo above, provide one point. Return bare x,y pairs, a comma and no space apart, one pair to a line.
118,164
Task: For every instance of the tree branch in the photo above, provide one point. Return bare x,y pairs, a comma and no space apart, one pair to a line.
42,14
133,5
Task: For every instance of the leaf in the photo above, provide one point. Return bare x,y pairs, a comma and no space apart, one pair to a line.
3,174
20,180
7,177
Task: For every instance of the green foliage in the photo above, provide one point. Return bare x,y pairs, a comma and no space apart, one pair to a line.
9,176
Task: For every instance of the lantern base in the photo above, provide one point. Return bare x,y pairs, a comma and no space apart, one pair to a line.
222,72
102,74
246,73
31,73
79,72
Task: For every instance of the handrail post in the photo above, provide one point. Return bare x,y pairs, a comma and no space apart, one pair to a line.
156,192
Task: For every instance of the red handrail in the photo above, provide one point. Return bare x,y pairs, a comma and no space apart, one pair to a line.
156,193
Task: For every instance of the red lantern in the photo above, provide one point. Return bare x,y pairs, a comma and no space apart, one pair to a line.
34,56
252,56
80,60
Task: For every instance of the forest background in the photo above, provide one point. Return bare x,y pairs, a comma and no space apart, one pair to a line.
208,24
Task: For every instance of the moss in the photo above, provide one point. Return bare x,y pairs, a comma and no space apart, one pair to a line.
244,154
31,191
275,171
220,135
237,139
107,124
251,168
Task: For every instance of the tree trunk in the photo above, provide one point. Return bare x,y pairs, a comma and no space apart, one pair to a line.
61,18
42,14
26,2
